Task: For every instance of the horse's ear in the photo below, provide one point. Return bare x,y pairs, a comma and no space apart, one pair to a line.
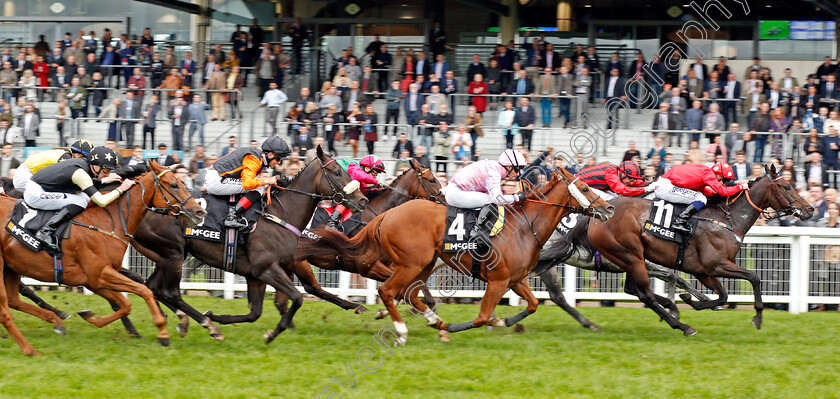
767,169
319,151
773,170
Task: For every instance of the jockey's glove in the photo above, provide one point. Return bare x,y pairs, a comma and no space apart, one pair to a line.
520,196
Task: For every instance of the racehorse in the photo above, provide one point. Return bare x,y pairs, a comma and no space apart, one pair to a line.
411,237
267,248
710,253
416,183
93,253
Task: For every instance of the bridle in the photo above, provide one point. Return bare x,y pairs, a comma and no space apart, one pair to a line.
339,193
421,183
173,208
585,207
790,209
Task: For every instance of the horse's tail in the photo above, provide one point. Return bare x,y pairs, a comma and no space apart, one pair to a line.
576,241
363,248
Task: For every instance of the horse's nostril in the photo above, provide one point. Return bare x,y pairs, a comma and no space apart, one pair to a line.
610,208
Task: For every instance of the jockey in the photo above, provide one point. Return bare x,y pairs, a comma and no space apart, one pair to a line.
69,186
683,184
479,184
40,160
609,181
365,173
236,173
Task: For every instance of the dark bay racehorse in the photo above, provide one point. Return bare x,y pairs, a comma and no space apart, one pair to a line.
411,237
711,251
266,249
416,183
93,252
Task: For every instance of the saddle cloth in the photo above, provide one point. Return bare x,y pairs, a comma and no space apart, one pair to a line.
217,207
25,221
459,223
661,218
321,217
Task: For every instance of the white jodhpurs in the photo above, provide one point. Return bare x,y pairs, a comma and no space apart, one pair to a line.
466,199
669,192
218,185
36,197
22,176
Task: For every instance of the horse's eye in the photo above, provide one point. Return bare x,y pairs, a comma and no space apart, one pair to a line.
787,187
586,190
175,185
337,173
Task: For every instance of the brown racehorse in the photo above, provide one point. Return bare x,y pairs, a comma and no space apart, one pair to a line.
709,255
411,237
93,252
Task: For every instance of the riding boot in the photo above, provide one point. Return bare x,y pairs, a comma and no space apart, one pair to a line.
681,222
480,220
336,217
46,235
234,217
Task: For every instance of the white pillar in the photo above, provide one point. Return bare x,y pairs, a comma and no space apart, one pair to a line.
230,278
370,295
570,284
343,284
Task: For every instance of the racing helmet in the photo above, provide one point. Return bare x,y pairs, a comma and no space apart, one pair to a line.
373,162
513,158
723,169
103,157
631,170
83,147
276,146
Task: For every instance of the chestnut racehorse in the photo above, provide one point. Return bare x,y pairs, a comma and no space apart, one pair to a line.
710,253
93,252
411,237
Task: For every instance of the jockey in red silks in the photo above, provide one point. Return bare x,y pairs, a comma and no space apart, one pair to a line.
479,184
365,173
608,180
691,184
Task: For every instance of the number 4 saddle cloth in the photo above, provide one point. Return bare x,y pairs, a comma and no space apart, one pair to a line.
459,223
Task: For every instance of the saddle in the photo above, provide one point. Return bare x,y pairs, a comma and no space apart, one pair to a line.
459,223
212,229
660,220
25,221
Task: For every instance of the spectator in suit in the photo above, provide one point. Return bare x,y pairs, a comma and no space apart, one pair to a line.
422,66
613,89
352,96
129,109
435,99
7,161
383,60
678,104
440,66
694,85
22,64
701,71
550,58
450,86
831,149
526,118
741,167
437,40
426,120
403,144
137,82
179,114
368,85
731,92
665,120
752,101
693,122
816,171
302,141
615,63
713,121
217,81
475,68
829,92
444,115
163,159
198,118
761,124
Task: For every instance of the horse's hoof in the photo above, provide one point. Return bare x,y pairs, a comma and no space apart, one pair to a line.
401,340
60,330
496,322
269,336
135,334
594,328
381,314
360,309
685,297
33,353
62,315
443,335
757,322
182,330
717,308
85,314
519,328
690,331
163,342
218,337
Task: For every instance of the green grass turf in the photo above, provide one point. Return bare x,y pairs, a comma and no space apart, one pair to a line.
635,357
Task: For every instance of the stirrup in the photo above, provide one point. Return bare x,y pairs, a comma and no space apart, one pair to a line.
684,228
48,239
233,221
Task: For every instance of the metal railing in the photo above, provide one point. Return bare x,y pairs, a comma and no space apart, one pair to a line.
798,266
